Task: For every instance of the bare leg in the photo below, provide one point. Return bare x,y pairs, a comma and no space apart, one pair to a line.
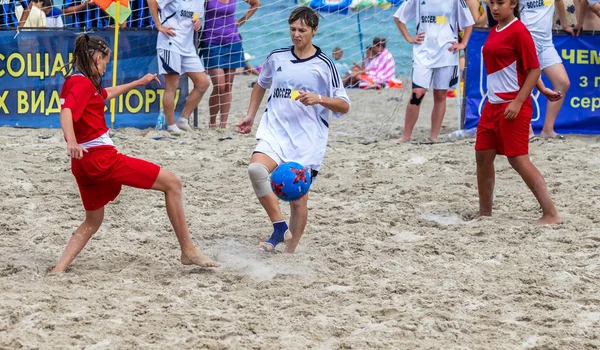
299,216
412,114
171,185
217,76
560,82
486,179
85,231
226,96
201,84
171,84
536,183
438,113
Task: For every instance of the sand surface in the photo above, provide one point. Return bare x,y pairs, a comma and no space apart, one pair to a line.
391,257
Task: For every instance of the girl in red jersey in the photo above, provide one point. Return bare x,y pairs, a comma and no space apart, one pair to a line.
513,69
99,169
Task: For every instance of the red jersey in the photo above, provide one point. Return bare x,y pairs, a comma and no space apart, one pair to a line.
508,54
87,106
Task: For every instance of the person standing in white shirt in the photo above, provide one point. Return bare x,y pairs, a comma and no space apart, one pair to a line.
538,15
295,124
435,60
177,55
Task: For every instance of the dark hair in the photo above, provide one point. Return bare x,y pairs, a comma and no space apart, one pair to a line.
377,41
516,10
83,61
305,14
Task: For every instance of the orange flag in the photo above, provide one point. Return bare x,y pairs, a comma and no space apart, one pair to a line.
110,7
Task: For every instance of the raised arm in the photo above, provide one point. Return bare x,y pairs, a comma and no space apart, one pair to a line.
116,91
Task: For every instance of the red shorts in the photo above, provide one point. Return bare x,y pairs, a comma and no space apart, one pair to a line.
509,137
102,171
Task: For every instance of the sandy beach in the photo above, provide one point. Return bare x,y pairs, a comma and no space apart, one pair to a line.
392,257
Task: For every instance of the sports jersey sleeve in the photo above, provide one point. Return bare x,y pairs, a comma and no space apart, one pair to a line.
407,11
336,90
465,17
266,73
75,97
526,51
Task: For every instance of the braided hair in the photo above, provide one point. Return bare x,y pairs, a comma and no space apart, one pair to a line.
83,58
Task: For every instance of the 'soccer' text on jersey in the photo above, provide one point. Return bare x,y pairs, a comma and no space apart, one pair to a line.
434,19
282,93
186,14
539,3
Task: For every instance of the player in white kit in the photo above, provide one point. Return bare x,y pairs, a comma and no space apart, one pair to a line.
435,54
537,15
304,88
177,55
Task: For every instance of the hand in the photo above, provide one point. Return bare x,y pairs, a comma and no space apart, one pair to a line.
240,22
418,39
197,24
168,31
578,28
74,150
512,110
569,30
456,47
245,125
308,98
148,78
551,95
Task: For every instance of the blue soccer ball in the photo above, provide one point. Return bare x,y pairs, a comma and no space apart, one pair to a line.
290,181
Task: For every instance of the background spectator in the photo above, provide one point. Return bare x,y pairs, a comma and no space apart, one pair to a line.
341,67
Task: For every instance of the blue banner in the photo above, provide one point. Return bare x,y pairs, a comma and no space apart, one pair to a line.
32,71
580,113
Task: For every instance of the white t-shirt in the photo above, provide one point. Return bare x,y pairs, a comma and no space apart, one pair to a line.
537,15
36,18
179,14
298,133
440,21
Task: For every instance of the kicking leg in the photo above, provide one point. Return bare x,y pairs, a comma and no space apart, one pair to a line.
412,113
258,170
171,185
85,231
536,183
299,216
486,179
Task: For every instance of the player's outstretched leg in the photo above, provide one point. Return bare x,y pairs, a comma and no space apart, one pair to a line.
281,233
486,179
298,218
536,183
85,231
171,185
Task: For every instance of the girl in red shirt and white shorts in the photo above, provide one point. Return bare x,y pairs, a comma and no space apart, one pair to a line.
99,169
513,69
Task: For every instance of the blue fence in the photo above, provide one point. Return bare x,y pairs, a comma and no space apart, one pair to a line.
580,113
32,73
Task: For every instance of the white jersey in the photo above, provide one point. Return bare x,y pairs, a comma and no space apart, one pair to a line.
440,20
179,14
537,15
298,133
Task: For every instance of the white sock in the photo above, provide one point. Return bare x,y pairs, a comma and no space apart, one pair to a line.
173,127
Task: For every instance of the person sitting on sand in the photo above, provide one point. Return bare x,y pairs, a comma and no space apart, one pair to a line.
99,169
382,67
352,79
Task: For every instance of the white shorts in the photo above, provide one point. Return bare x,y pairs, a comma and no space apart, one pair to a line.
170,62
54,22
548,57
443,78
264,147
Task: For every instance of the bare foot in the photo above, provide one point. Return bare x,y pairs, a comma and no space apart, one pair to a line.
404,139
198,259
268,247
549,220
57,270
433,139
290,247
548,135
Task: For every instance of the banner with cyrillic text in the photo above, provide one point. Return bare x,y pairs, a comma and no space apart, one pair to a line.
32,71
580,113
